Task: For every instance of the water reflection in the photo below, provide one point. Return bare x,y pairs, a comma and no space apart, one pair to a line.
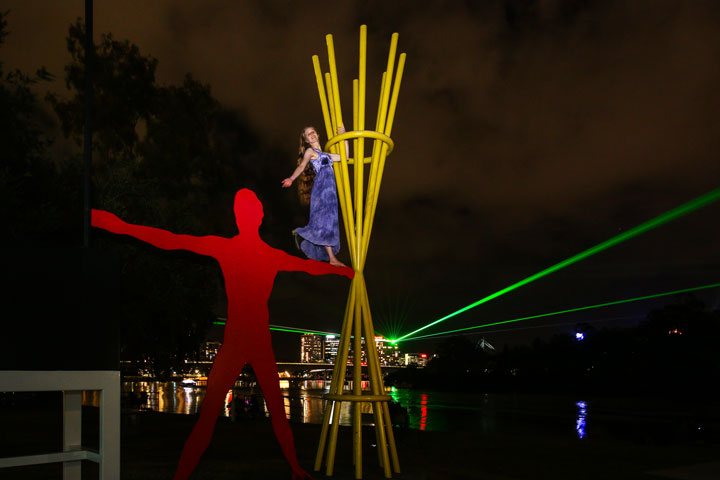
226,412
172,397
423,411
302,402
523,414
580,422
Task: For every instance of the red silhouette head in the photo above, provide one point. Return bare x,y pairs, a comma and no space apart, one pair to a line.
248,210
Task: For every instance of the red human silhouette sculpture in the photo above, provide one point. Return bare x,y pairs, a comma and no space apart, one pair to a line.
249,266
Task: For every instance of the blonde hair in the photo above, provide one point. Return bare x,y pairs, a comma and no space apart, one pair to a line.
307,177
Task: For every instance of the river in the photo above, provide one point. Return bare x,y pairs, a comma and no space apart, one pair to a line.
572,416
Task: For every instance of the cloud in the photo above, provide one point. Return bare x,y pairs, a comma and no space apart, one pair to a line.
556,121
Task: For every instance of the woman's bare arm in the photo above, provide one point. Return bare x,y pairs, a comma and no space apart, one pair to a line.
306,158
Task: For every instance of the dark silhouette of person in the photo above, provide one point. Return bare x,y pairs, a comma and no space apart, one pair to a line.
249,267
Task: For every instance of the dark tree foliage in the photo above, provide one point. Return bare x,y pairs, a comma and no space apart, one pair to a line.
458,362
166,156
43,279
27,176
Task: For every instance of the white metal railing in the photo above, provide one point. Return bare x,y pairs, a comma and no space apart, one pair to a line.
72,383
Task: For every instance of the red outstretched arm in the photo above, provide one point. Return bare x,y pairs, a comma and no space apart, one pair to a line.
313,267
154,236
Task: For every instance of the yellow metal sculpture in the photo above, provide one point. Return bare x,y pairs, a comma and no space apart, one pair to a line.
358,211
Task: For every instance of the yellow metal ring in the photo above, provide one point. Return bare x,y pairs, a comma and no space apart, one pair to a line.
357,398
361,134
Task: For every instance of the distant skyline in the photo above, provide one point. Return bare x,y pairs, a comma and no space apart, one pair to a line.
526,132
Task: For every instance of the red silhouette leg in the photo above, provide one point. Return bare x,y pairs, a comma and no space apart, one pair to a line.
226,368
266,372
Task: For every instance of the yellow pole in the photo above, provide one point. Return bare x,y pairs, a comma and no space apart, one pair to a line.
338,377
378,383
375,376
330,128
322,95
360,145
383,86
329,125
333,77
388,80
330,461
358,124
343,157
340,366
330,96
370,216
372,181
380,127
395,95
357,380
357,346
355,116
358,170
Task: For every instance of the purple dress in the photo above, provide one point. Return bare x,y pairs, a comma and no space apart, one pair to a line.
322,229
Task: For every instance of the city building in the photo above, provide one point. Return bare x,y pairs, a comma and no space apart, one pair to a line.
209,351
324,348
332,343
388,353
312,348
418,359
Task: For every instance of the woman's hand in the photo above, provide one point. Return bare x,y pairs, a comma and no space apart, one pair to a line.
341,130
287,182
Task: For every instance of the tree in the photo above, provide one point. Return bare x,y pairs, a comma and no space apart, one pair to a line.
163,155
28,179
150,144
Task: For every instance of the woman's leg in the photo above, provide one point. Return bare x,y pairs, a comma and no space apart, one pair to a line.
333,258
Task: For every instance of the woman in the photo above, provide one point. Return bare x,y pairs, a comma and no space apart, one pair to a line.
321,236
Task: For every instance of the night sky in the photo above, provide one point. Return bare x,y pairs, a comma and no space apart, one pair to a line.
526,132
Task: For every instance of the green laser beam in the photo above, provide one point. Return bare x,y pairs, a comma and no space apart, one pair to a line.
285,328
294,330
392,317
650,224
559,312
281,328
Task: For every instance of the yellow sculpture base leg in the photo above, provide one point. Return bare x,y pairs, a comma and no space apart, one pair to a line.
357,319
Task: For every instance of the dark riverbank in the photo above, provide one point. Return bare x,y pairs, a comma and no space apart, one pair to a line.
151,444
